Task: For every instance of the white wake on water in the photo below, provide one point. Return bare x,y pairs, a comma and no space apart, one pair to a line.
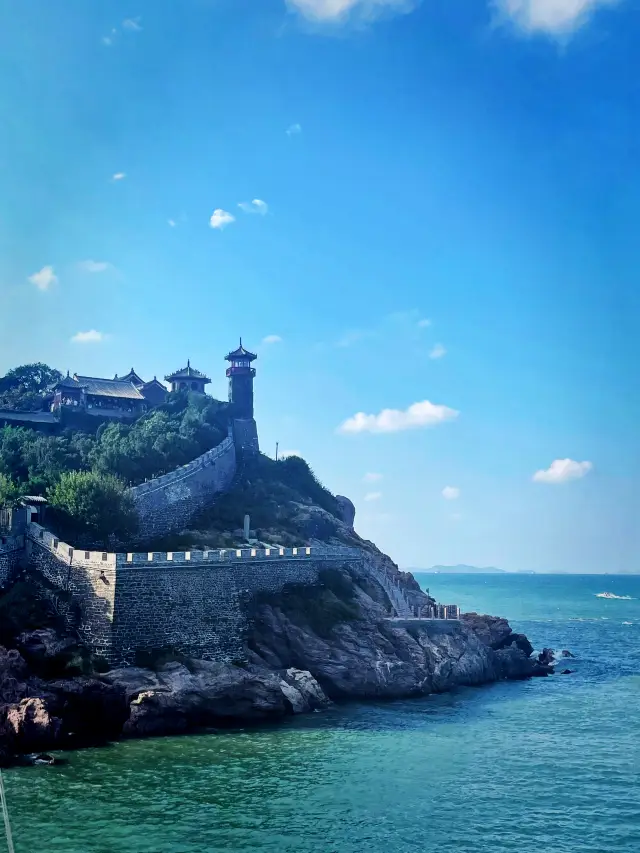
613,595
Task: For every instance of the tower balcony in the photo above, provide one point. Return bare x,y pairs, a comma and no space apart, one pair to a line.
244,370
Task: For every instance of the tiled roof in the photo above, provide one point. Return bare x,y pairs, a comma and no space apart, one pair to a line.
109,387
241,352
67,382
187,372
131,376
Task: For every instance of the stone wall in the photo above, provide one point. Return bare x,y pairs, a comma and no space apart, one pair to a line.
169,503
90,577
11,554
245,434
190,602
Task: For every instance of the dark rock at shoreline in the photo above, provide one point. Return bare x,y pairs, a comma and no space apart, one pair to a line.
567,672
567,654
307,648
546,657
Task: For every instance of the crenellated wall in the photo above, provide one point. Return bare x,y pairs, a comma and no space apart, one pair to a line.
11,555
191,602
170,502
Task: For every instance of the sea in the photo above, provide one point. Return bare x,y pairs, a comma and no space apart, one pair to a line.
550,765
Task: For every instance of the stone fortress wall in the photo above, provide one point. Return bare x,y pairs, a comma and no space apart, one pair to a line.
191,602
170,502
11,551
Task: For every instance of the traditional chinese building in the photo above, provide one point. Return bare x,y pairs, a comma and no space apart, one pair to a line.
106,398
188,379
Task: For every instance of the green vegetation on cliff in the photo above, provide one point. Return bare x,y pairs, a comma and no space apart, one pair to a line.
286,504
166,438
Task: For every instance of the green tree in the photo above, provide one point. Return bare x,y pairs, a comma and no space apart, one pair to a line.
22,387
9,491
93,505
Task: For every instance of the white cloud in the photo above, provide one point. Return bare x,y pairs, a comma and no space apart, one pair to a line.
94,266
91,337
423,414
327,11
285,454
221,218
272,339
451,493
133,25
293,129
424,323
255,206
438,351
44,278
372,496
562,470
554,17
172,223
119,176
372,478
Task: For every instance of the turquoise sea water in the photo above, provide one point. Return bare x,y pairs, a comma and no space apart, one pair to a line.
547,765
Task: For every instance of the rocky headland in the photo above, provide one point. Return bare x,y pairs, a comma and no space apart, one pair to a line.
308,647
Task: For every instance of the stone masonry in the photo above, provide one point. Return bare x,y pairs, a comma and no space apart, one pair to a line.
11,554
190,602
169,503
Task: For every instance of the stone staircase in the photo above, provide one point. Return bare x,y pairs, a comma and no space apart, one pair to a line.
394,592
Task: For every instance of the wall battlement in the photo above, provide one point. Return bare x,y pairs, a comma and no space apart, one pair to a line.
169,503
192,602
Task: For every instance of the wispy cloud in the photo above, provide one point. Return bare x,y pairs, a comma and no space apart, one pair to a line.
563,470
372,496
94,266
451,493
132,25
354,336
417,416
438,351
553,17
272,339
221,218
90,337
293,129
171,223
336,11
119,176
372,477
44,278
255,206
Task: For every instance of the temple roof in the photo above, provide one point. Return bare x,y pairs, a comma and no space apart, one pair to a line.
154,381
187,372
109,387
67,382
241,352
131,376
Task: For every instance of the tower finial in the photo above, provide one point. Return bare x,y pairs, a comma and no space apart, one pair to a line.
188,363
240,341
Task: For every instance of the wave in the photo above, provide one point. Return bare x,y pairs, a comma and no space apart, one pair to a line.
612,595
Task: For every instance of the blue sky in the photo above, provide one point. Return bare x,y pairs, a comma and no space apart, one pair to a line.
439,218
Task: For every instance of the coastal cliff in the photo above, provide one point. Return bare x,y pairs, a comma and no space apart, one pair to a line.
308,647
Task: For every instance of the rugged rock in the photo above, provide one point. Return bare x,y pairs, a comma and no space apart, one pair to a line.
308,646
567,654
347,511
177,698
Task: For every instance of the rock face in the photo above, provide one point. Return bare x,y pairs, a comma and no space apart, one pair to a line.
177,698
347,511
308,646
369,655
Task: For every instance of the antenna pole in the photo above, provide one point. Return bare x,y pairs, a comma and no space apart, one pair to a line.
276,451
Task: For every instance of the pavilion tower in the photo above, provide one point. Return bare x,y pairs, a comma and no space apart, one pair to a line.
241,375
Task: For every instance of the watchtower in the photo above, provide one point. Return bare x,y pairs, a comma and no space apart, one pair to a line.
241,375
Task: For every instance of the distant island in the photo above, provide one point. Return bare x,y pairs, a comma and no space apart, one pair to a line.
461,569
